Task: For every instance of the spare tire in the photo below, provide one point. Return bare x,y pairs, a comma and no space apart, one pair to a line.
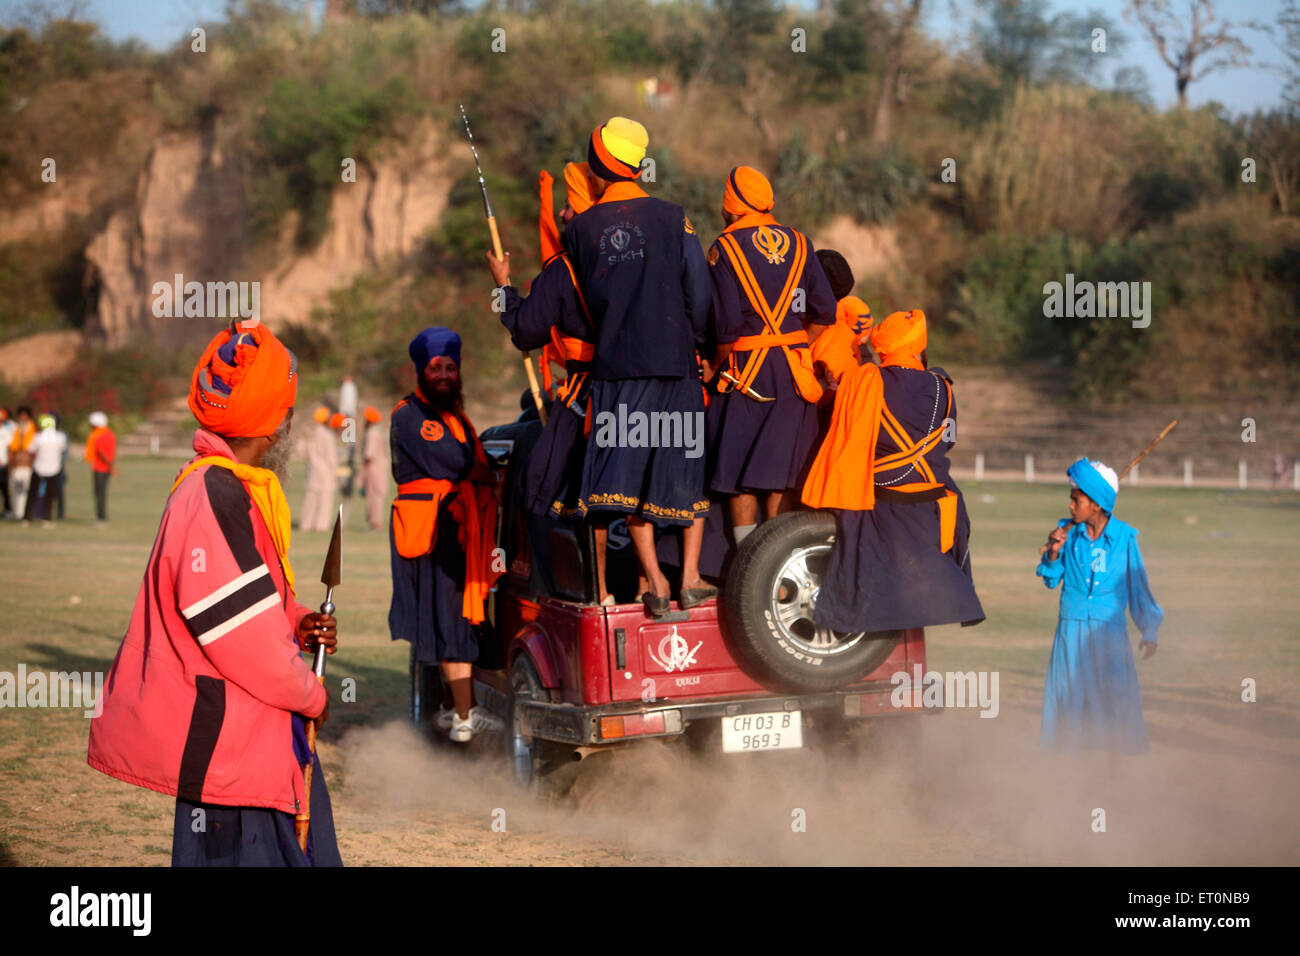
771,590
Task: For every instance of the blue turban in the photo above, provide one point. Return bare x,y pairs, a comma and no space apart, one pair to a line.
432,343
1090,478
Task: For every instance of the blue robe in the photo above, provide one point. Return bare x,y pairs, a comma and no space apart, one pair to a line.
1092,701
886,571
763,446
428,591
554,475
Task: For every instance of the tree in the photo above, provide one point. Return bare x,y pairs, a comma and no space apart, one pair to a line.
906,15
1181,45
1289,21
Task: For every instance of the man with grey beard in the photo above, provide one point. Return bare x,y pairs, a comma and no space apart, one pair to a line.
209,696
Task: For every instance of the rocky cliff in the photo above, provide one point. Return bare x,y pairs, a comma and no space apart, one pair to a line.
188,219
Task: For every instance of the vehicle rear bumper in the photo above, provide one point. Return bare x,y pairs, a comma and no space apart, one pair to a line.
580,726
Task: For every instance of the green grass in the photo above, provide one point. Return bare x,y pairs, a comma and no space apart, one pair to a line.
1221,564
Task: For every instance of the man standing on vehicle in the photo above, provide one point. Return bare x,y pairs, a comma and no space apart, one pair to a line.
443,529
767,284
642,275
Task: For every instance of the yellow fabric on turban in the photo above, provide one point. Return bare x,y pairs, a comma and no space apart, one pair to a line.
900,339
617,148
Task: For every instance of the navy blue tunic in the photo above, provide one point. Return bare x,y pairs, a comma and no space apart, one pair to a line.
886,571
646,284
554,474
761,446
256,836
428,591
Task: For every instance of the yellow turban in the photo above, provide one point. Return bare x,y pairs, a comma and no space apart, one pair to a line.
617,148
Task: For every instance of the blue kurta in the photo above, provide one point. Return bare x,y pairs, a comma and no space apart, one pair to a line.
1092,700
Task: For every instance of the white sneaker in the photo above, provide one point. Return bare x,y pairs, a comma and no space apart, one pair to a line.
479,720
482,719
444,718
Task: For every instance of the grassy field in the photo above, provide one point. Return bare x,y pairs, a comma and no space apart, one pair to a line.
1222,564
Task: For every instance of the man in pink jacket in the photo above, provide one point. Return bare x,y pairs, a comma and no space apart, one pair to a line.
208,694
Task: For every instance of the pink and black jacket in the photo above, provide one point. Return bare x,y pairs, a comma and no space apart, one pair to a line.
200,697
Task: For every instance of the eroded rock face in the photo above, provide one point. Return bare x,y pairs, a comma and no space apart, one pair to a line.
868,249
188,219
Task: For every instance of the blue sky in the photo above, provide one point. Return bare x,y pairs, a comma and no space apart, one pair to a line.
161,22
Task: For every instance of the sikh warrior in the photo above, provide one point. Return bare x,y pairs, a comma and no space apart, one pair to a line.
208,695
642,275
901,554
770,299
443,529
553,318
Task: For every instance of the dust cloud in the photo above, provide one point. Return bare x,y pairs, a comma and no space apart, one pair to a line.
951,789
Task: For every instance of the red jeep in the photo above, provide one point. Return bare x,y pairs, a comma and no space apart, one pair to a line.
750,667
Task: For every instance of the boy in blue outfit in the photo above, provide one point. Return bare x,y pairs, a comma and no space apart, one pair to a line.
1092,700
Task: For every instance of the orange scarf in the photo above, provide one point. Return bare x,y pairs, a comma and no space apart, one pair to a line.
264,488
843,473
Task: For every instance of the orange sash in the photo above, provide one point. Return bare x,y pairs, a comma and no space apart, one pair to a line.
415,523
799,359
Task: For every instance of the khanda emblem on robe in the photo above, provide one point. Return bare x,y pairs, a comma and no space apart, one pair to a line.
772,243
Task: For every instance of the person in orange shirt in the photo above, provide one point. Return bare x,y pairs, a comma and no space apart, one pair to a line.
839,348
101,452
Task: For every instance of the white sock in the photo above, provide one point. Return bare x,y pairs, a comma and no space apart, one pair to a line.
741,532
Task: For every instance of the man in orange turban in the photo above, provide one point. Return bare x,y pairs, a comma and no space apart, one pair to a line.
770,299
322,472
901,554
839,348
208,695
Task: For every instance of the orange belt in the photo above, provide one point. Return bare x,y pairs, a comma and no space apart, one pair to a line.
772,314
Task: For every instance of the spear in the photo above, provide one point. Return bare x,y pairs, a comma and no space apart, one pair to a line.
330,578
1146,451
496,251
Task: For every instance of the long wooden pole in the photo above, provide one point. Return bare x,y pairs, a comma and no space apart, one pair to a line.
1146,451
533,385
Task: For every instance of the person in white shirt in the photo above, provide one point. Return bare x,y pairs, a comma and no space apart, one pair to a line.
47,448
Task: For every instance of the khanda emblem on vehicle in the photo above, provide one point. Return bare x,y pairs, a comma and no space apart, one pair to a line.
772,243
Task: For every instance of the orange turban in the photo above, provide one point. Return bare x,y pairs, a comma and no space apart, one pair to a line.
322,414
747,191
337,420
854,313
578,186
372,415
245,383
901,338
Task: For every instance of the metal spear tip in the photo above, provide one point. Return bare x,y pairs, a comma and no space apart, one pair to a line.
330,575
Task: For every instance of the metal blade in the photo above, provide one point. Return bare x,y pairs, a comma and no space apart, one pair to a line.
334,556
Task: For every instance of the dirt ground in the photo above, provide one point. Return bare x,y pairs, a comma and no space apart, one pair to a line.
1217,788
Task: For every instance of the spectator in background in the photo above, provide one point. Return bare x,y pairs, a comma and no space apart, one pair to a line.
101,452
349,402
374,469
7,429
62,481
47,448
20,461
318,503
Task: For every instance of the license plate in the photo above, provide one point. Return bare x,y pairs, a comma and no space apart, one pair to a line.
779,730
